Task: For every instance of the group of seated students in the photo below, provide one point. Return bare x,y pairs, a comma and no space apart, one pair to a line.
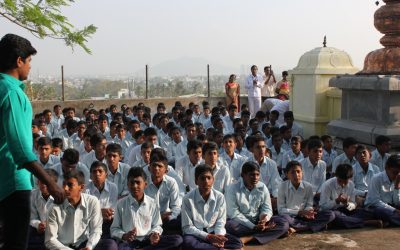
202,184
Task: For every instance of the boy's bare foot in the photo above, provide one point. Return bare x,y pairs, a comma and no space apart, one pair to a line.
246,239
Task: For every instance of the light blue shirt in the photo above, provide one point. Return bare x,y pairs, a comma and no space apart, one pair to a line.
185,170
234,165
39,208
291,156
171,173
246,206
327,157
145,217
53,160
199,215
342,159
222,177
120,178
331,190
292,200
244,152
277,157
378,160
316,176
167,196
108,197
269,175
381,192
361,179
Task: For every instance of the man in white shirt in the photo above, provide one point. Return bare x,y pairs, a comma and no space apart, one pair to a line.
76,223
269,86
253,84
117,171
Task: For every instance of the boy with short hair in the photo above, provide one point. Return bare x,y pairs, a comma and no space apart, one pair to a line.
286,134
172,149
249,209
185,166
204,215
277,152
145,151
295,202
314,169
295,128
137,219
347,157
363,171
117,171
329,153
77,222
221,172
41,203
106,192
46,159
233,160
294,154
381,153
58,147
383,197
165,191
99,144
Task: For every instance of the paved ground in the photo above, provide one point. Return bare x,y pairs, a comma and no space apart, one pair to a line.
374,239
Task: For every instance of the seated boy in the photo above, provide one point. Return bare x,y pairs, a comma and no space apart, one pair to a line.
106,192
145,150
294,154
295,202
233,160
249,209
383,197
220,171
76,223
57,146
172,149
46,159
277,152
313,168
117,171
41,203
329,153
186,165
137,221
204,215
349,148
165,191
381,153
338,196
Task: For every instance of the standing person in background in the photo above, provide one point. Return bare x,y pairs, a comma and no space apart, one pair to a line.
18,160
283,87
269,86
253,86
232,90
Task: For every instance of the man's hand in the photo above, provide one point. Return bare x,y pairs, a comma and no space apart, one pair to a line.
342,198
165,216
129,236
154,238
107,213
57,192
217,240
41,227
307,214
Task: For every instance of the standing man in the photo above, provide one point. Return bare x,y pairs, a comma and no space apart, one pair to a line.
254,84
269,84
16,155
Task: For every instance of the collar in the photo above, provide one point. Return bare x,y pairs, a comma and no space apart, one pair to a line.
13,80
82,203
134,202
199,199
301,186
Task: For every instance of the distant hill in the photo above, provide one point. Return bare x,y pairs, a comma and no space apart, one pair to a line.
189,66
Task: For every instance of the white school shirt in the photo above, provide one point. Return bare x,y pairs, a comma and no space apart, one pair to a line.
171,173
67,225
254,90
120,178
125,143
244,152
222,177
286,145
128,151
268,89
135,154
228,124
361,179
206,121
185,170
316,176
200,217
277,158
167,196
269,175
163,139
292,200
378,160
331,189
342,159
234,165
140,163
76,141
291,156
80,167
67,140
82,151
172,151
381,193
90,158
327,157
296,129
39,208
145,217
246,206
108,197
53,160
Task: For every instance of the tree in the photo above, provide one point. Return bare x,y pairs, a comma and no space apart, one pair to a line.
43,18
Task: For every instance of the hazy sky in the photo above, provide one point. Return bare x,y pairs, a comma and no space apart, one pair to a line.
132,33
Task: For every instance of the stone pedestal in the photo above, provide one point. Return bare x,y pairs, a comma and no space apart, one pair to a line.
370,107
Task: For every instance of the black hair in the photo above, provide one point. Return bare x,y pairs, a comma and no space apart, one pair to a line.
76,174
209,146
292,164
146,145
138,134
347,142
150,132
381,139
283,129
57,143
97,164
193,144
325,137
260,114
201,169
137,172
288,114
96,139
229,136
393,161
71,156
159,157
361,148
114,148
276,113
12,47
44,141
314,143
250,166
344,171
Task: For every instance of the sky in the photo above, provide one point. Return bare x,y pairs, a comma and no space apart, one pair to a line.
133,33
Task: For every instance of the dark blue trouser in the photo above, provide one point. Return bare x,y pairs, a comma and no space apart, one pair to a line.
193,243
106,244
349,219
239,230
15,211
36,240
322,218
386,215
166,242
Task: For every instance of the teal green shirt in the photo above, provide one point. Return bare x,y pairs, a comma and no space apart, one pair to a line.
15,136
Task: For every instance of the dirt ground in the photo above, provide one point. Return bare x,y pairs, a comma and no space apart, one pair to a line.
375,239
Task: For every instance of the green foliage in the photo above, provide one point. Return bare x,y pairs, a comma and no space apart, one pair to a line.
43,18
